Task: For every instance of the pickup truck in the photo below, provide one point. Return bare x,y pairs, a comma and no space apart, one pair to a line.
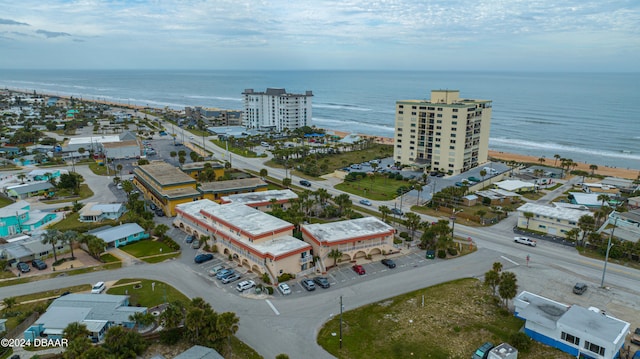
525,240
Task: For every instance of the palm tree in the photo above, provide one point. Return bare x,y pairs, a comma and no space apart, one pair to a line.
227,325
603,198
528,216
75,330
335,254
142,319
482,174
508,286
418,187
557,157
541,160
593,168
412,222
586,223
481,213
161,229
9,302
263,173
52,236
68,237
119,169
172,316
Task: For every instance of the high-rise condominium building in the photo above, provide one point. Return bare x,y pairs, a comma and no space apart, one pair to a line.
446,134
276,109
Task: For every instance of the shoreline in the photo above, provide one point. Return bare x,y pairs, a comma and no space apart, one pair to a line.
629,173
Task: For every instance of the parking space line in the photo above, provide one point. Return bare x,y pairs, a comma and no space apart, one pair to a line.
272,307
507,259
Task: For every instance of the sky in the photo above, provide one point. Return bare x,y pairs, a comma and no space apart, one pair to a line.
500,35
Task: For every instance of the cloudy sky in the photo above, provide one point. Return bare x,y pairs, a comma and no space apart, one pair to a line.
536,35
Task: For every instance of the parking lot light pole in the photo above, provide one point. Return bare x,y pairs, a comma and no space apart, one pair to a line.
453,220
606,257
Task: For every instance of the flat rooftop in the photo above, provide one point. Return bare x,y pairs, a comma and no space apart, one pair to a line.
568,214
200,165
354,228
165,174
193,208
597,324
249,220
94,139
128,143
260,197
281,245
232,185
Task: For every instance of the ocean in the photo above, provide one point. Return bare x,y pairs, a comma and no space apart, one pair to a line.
588,117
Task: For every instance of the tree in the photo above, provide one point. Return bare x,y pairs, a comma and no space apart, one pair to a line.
572,234
418,187
483,173
282,356
9,302
593,168
528,216
557,157
95,245
173,154
586,223
412,222
343,201
119,169
52,237
69,237
127,187
122,343
497,266
492,280
263,173
335,254
161,229
286,182
385,212
182,160
508,287
541,160
172,316
142,319
481,213
76,330
603,198
227,325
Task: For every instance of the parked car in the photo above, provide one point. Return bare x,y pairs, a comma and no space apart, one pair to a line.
38,263
359,269
483,351
244,285
23,267
305,183
98,288
284,288
201,258
474,179
159,212
224,273
636,355
459,184
189,239
366,202
431,254
195,244
153,207
322,281
308,284
525,240
231,278
397,211
213,271
389,263
580,288
635,337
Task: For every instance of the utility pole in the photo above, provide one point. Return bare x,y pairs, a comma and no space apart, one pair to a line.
340,322
606,258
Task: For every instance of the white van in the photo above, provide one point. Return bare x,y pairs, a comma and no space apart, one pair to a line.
265,144
491,171
98,288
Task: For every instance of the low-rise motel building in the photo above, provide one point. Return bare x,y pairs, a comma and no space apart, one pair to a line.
252,238
555,221
264,200
168,186
355,238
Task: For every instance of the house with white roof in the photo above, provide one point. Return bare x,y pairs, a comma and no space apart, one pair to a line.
354,238
98,312
555,221
589,200
516,186
588,333
96,212
120,235
254,239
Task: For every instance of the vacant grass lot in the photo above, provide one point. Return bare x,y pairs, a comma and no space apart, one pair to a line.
83,192
457,317
145,295
4,201
146,247
379,187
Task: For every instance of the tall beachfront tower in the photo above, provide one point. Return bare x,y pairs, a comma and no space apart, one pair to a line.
446,133
275,109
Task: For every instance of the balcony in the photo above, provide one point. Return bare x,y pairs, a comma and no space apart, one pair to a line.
306,259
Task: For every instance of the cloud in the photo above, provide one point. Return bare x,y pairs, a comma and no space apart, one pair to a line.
52,34
12,22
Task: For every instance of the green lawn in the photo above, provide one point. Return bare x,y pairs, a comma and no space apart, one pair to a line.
235,150
4,201
145,248
146,296
97,169
71,222
83,192
457,317
54,293
378,188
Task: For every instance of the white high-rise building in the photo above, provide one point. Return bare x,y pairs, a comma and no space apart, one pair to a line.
275,109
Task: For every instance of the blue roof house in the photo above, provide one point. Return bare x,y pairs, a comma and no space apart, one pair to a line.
120,235
581,332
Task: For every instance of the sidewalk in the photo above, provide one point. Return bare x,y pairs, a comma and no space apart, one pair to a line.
126,258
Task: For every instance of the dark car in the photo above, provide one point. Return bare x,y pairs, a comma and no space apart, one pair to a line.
189,239
431,254
308,284
636,355
322,281
359,269
483,351
397,211
38,263
579,288
225,273
23,267
201,258
153,207
159,212
389,263
305,183
635,337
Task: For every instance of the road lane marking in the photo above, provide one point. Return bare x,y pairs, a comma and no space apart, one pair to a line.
272,307
507,259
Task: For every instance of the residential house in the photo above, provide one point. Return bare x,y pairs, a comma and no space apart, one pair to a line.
499,197
98,312
25,248
624,225
199,352
45,174
31,189
18,218
96,212
516,186
555,221
581,332
120,235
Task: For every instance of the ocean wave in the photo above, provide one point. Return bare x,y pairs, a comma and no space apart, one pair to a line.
354,126
340,106
551,146
221,98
